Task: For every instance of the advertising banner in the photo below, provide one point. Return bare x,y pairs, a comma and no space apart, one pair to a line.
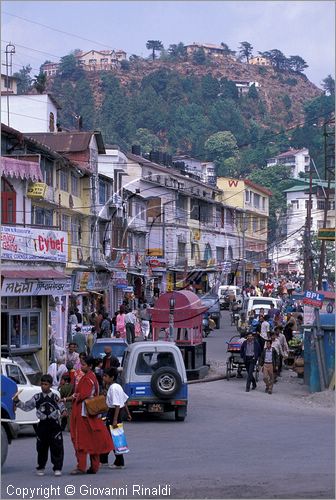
31,244
89,281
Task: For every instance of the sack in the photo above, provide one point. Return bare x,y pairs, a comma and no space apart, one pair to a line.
119,440
96,405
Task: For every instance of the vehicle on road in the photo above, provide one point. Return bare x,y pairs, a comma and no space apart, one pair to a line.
229,293
118,347
154,378
211,302
8,426
256,303
13,371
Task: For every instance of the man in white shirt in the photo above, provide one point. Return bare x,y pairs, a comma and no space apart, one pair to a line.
130,320
264,328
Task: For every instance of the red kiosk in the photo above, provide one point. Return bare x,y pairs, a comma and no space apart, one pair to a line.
177,317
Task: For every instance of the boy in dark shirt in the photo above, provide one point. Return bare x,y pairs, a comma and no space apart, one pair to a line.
49,409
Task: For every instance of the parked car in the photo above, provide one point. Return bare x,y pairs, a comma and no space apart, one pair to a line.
8,426
224,292
13,370
154,378
211,302
118,347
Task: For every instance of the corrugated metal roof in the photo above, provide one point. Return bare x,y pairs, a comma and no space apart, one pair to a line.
68,142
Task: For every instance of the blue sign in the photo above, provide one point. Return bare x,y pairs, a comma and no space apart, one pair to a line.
313,298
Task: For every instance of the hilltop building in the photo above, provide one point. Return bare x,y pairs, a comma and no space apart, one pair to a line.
297,159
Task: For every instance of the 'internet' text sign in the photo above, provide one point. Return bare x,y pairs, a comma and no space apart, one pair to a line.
313,298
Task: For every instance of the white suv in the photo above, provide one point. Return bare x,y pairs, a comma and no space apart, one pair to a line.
13,371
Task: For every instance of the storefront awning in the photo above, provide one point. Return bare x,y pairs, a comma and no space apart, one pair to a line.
32,274
21,169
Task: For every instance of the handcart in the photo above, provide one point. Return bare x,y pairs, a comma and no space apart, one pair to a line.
234,361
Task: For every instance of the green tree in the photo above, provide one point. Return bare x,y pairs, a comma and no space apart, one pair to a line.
297,64
287,101
40,82
223,150
154,46
69,68
252,92
83,104
147,140
24,80
210,87
245,51
227,50
199,57
328,85
228,89
177,52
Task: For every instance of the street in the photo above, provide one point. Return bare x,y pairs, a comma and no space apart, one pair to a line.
233,444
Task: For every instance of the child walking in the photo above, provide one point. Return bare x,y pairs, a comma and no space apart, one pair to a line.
49,409
116,401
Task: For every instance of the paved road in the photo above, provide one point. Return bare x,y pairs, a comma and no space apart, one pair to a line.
233,444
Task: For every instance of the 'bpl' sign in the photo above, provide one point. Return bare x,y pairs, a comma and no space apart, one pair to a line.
313,298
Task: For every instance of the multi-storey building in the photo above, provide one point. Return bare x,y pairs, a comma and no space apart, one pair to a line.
205,170
210,49
34,251
297,159
250,205
101,60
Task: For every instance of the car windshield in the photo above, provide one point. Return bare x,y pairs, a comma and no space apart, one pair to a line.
262,301
117,349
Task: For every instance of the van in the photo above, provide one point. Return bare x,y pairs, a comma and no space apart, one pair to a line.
256,303
224,292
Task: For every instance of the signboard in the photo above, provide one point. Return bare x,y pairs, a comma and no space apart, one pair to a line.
30,244
169,282
37,190
120,278
313,298
89,281
14,287
157,263
326,233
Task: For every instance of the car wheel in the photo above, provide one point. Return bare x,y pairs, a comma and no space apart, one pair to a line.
4,445
180,414
166,382
217,323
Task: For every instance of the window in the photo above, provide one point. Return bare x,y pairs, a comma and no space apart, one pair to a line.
149,175
220,254
295,204
158,179
263,200
229,217
247,196
181,249
320,204
255,224
65,223
74,185
8,203
15,373
193,250
331,205
307,203
256,200
103,192
92,61
319,224
75,231
64,180
47,168
219,217
148,362
262,226
42,216
21,330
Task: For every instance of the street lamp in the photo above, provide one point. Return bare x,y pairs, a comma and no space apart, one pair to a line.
171,319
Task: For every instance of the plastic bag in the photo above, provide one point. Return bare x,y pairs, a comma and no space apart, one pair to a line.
119,440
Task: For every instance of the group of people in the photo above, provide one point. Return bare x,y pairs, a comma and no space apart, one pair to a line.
284,287
81,377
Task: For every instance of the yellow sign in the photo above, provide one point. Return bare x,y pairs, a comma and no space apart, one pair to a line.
326,233
170,282
155,252
37,190
195,234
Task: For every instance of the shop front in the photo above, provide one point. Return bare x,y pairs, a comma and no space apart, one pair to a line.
29,319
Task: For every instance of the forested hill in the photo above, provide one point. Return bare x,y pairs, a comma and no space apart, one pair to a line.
180,106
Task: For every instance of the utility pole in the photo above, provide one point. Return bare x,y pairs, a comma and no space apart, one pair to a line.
308,258
244,228
10,50
329,166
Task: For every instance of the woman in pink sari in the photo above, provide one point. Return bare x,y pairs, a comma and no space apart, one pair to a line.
88,433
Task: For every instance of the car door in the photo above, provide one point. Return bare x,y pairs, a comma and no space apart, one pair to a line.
14,372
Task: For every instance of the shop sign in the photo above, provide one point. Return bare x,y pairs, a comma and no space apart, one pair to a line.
128,289
26,243
170,282
226,266
313,298
88,281
121,261
157,263
37,190
14,287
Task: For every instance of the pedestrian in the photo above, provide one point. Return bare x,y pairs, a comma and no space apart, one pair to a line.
88,433
120,325
109,360
72,355
66,390
78,316
116,400
98,321
57,370
105,327
72,322
70,372
79,339
278,348
91,339
284,347
264,327
130,320
78,368
268,362
49,410
250,352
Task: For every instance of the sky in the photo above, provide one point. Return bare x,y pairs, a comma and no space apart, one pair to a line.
304,28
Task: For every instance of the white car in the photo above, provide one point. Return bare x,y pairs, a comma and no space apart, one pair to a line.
256,303
13,371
